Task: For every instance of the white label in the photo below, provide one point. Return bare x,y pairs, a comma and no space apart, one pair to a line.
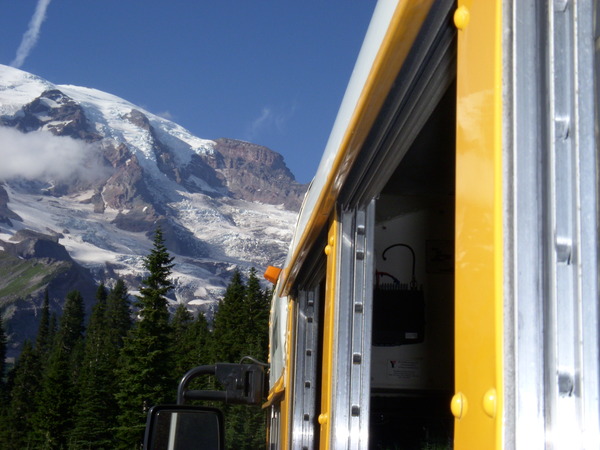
404,369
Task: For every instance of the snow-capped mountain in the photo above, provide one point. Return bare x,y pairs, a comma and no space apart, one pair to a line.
94,174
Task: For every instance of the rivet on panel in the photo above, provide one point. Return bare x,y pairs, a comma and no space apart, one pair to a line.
327,250
562,126
459,405
323,418
566,383
564,246
490,402
461,17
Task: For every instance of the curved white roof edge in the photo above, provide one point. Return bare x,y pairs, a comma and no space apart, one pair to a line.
376,32
374,37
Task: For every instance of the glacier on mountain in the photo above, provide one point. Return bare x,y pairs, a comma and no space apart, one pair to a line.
221,203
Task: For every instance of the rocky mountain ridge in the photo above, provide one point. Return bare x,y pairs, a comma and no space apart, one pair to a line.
94,175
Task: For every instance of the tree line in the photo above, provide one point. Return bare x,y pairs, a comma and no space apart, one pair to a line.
89,384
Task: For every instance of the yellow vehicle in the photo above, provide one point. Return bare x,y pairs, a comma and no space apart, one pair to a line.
441,289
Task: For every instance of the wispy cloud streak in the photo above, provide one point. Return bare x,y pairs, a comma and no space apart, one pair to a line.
269,121
31,35
262,121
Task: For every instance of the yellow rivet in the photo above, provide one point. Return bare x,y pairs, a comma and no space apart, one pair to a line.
489,402
461,17
323,418
331,240
327,249
459,405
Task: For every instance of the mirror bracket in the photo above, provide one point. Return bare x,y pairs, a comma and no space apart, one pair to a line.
243,384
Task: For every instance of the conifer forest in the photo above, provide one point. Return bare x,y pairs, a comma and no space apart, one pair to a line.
88,382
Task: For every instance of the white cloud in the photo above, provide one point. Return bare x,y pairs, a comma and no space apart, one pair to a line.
264,120
41,155
270,121
31,35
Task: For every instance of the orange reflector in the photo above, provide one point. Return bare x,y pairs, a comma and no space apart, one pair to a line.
272,273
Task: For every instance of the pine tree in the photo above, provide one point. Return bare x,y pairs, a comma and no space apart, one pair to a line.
24,385
26,379
52,329
53,418
241,329
191,343
145,373
3,383
230,322
182,340
118,316
257,305
94,414
96,407
2,362
42,341
202,339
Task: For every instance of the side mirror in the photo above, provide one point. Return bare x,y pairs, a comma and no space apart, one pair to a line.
179,427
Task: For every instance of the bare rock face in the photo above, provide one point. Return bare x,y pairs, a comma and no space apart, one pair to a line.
256,173
6,215
58,113
30,244
126,186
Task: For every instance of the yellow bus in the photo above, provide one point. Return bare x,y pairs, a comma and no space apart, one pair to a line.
441,289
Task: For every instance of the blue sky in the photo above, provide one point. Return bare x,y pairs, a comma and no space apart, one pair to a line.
272,72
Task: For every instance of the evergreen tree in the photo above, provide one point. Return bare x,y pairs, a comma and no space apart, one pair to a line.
230,322
26,379
42,341
145,373
191,342
118,317
3,383
182,339
257,305
2,362
241,329
94,417
202,339
53,418
52,329
25,382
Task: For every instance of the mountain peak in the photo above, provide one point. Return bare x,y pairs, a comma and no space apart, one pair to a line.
124,171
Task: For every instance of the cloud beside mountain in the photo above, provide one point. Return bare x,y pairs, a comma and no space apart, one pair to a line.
41,155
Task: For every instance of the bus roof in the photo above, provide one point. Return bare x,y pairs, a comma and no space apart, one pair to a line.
391,33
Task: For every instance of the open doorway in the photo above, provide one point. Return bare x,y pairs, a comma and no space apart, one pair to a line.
412,360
